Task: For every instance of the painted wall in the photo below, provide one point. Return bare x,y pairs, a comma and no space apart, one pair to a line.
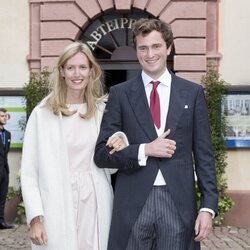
234,40
14,43
238,171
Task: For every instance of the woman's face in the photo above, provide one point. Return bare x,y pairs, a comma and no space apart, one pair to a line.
76,72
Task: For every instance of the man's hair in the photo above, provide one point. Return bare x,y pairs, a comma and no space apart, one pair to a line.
3,110
144,26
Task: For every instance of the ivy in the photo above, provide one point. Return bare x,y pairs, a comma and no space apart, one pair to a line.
215,89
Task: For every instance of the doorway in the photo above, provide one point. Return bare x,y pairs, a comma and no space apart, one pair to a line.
113,77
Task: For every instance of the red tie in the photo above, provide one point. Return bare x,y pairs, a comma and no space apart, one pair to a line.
155,105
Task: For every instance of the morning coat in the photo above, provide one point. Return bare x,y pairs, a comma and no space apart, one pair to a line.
127,110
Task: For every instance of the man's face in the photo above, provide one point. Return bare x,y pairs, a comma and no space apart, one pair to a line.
152,53
3,118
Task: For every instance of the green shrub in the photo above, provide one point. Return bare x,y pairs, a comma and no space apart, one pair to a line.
36,89
12,192
214,91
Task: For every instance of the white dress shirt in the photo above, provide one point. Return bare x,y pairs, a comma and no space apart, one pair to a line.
164,94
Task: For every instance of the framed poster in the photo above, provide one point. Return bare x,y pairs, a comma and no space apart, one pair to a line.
236,108
14,102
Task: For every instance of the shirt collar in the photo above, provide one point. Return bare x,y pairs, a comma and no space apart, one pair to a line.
165,78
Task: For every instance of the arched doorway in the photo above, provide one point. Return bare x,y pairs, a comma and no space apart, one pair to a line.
110,38
54,24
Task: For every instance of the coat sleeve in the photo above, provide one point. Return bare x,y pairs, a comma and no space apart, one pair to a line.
99,115
30,170
112,123
203,155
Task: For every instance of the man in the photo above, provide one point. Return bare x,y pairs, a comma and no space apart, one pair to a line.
165,120
4,167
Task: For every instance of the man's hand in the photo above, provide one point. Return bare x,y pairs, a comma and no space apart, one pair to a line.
161,147
38,235
203,225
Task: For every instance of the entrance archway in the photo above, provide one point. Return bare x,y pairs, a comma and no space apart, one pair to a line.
110,38
54,24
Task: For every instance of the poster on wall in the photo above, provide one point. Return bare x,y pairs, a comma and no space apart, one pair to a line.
236,109
15,106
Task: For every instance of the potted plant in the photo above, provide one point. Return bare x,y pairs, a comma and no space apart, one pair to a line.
11,204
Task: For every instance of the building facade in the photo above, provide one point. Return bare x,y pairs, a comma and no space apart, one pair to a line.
204,31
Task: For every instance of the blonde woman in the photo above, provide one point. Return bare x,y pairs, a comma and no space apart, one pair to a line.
68,200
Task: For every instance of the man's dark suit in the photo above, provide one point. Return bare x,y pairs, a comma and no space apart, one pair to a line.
127,110
4,172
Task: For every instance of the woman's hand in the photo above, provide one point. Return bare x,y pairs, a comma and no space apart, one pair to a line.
38,235
116,142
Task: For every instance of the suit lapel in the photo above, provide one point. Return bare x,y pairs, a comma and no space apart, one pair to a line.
138,100
176,105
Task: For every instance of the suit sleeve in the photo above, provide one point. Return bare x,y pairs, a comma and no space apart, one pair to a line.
111,123
203,154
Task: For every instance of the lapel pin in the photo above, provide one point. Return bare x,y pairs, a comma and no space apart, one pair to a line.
186,107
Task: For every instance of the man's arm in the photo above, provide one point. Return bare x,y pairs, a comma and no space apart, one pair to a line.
203,155
112,123
205,169
129,157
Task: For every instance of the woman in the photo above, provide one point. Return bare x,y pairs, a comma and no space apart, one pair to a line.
68,200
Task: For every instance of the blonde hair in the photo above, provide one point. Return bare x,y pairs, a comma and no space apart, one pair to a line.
93,91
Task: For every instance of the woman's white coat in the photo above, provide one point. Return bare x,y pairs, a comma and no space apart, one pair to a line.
45,181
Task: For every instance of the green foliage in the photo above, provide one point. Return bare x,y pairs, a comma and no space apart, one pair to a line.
13,192
20,219
214,90
36,89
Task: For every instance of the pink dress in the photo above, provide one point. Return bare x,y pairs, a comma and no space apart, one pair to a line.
81,137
